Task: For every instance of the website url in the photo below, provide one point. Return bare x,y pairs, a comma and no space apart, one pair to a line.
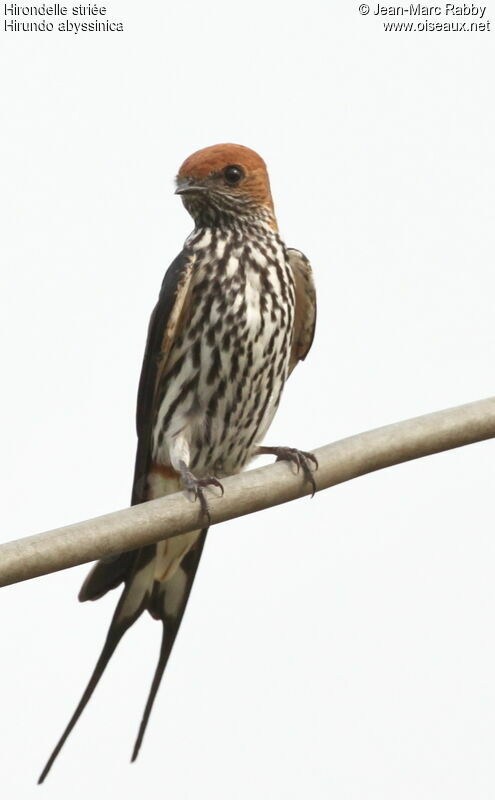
453,27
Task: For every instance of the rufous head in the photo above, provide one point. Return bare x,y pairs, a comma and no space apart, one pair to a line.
226,182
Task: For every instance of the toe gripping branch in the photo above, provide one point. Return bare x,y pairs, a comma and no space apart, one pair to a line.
300,458
196,487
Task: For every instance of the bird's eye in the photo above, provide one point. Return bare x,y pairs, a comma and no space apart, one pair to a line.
233,174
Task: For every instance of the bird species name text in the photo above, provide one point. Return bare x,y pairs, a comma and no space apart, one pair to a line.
19,18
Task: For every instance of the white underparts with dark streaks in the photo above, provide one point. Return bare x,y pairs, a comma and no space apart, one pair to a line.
229,362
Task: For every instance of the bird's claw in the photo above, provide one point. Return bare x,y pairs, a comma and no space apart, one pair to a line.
196,486
300,458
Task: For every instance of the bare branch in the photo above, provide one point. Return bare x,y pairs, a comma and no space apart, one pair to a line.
245,493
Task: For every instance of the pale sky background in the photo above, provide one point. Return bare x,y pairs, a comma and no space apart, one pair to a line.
342,647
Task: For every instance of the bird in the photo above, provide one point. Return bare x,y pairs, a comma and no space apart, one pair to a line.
235,314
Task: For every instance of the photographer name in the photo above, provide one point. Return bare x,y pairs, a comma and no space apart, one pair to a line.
418,10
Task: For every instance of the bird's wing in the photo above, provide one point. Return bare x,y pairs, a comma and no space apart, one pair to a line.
165,324
305,309
156,577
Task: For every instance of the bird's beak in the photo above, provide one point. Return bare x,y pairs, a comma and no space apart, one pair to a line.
184,187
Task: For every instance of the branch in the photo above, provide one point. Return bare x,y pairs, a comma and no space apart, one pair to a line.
245,493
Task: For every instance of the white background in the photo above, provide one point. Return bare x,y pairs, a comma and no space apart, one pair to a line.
342,647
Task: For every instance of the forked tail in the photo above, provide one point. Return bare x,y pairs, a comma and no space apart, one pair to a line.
154,582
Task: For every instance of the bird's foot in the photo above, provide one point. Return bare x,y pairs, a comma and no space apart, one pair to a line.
306,462
196,486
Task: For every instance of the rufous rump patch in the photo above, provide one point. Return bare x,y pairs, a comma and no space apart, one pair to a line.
164,471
